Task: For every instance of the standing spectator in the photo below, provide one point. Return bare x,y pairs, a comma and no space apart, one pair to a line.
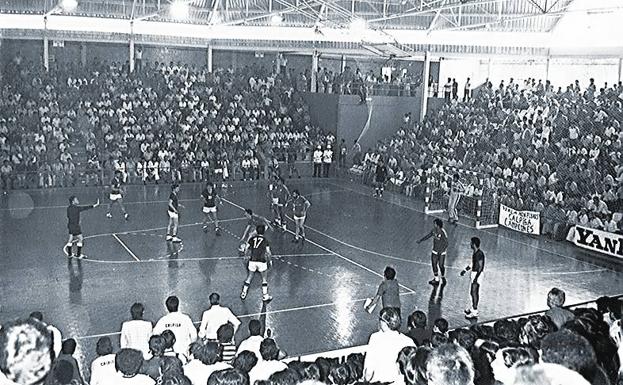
383,347
318,162
558,314
103,367
253,342
138,60
343,152
6,175
215,317
135,334
327,159
269,363
467,90
455,89
180,324
356,153
447,90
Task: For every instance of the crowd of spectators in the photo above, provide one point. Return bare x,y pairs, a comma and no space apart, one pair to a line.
357,82
536,148
167,122
561,346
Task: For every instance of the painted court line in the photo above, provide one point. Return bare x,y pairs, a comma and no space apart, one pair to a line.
481,230
166,258
331,251
126,248
250,315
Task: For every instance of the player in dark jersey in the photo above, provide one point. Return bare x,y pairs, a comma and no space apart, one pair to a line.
300,205
73,225
249,231
210,199
173,211
380,177
259,254
279,195
477,268
440,247
116,195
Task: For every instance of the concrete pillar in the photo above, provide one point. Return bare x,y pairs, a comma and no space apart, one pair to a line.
83,55
314,72
46,45
620,68
343,63
489,69
131,53
547,68
209,57
425,76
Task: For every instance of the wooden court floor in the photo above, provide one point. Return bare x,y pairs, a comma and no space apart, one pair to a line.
318,287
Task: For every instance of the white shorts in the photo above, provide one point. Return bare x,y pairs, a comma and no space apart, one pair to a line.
173,215
479,281
114,197
209,209
301,219
218,171
275,201
258,266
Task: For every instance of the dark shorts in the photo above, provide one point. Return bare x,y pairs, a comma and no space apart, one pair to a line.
75,230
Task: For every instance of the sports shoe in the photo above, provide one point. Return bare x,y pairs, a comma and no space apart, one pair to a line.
126,216
267,298
468,311
81,256
243,295
205,229
434,282
217,232
176,240
67,250
108,215
169,238
473,314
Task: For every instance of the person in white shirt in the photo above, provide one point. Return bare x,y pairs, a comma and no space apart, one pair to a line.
103,367
215,317
252,344
318,162
268,364
179,323
380,364
449,363
206,360
327,158
135,333
128,362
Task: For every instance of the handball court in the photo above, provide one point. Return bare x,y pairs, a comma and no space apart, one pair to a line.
318,287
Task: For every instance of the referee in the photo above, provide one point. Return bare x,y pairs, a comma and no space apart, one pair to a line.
73,225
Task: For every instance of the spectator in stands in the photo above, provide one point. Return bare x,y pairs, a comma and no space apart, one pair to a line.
67,351
245,361
327,160
535,330
268,364
253,342
205,361
225,338
507,360
135,334
128,363
6,175
229,377
558,314
169,351
417,328
383,348
441,326
157,346
317,159
103,367
179,323
547,374
573,352
286,377
449,364
215,317
25,352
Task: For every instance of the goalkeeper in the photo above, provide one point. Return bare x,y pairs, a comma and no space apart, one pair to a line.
456,190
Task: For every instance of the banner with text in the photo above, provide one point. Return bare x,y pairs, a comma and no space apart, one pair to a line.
597,240
528,222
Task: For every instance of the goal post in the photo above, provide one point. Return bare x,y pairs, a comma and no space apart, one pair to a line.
478,203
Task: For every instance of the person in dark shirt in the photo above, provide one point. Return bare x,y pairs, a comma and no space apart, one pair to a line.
259,254
477,268
173,211
440,247
380,177
116,195
73,225
388,291
416,328
210,198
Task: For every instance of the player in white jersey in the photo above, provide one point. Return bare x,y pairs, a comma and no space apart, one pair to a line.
300,205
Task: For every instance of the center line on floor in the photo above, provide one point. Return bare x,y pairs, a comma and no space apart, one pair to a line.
137,259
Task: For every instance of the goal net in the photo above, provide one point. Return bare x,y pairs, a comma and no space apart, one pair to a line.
478,202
